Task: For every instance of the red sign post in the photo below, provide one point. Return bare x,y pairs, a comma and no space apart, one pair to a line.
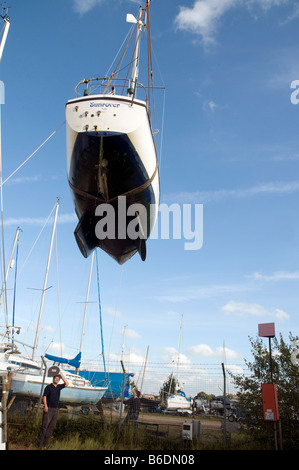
269,391
270,403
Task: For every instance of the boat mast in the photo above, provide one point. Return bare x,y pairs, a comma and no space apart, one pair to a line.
137,50
85,309
16,239
45,281
15,288
5,18
135,70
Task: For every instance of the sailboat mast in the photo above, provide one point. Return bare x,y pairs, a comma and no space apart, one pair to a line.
9,263
5,33
2,44
135,69
45,281
15,288
85,309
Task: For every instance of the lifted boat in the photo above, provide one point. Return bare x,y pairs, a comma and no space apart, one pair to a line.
112,162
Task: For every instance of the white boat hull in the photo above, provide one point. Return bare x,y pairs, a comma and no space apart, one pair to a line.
111,153
177,402
28,386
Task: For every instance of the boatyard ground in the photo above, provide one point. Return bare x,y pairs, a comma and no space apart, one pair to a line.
102,432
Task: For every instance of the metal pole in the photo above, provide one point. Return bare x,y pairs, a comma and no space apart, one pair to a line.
2,44
122,393
270,361
9,262
42,387
224,406
144,370
4,35
85,309
45,282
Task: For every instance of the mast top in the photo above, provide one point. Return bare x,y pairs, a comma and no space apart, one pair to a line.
4,13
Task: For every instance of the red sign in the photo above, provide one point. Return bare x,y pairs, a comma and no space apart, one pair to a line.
270,403
267,330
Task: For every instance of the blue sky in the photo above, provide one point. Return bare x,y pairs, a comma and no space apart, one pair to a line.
230,142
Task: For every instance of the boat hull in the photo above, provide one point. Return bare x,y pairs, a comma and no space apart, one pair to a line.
111,160
177,402
27,386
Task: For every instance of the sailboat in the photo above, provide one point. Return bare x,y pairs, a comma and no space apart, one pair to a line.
178,401
112,162
28,376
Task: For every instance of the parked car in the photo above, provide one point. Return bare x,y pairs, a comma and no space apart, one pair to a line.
217,403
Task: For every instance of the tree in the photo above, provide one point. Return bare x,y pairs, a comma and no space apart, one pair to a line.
285,377
168,387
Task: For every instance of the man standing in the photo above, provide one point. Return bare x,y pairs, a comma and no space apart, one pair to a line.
134,408
51,406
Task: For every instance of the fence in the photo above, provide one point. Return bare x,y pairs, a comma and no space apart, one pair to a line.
192,378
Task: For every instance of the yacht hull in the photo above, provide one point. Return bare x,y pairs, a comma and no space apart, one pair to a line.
112,161
30,387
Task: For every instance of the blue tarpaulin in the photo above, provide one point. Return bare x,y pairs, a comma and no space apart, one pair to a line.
114,380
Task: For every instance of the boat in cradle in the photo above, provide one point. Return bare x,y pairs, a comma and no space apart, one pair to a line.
111,158
29,376
178,401
28,379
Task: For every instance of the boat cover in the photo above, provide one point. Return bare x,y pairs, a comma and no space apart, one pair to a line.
62,360
114,380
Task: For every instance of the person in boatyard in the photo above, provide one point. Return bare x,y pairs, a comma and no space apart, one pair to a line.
51,398
133,404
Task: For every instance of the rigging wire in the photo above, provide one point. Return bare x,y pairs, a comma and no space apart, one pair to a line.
100,311
58,294
116,55
33,153
2,233
36,240
115,310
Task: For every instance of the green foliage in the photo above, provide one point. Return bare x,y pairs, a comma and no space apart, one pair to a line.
285,376
169,386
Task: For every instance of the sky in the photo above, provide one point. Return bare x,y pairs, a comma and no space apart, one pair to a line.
228,141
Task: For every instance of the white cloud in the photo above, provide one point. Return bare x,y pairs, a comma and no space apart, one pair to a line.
220,194
40,221
292,16
195,292
133,361
204,16
207,351
56,348
172,357
280,314
276,276
83,6
242,309
210,106
201,350
112,311
132,333
24,179
234,368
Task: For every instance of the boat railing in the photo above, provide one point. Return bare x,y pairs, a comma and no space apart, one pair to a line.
110,86
115,86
